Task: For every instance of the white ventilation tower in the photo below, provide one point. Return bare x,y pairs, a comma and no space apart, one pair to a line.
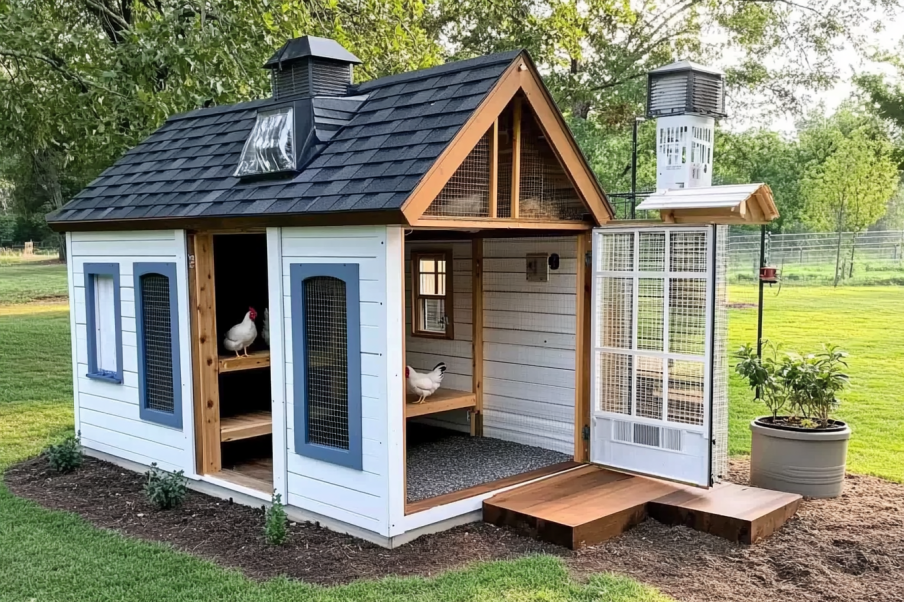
685,99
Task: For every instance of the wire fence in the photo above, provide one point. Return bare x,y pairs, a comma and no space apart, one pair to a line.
874,258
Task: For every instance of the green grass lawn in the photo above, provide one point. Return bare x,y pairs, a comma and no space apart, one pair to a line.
56,557
27,282
867,322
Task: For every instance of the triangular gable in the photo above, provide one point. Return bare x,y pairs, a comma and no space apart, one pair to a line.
485,174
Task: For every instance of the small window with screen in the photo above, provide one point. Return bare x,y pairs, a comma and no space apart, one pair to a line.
432,294
103,319
157,325
270,147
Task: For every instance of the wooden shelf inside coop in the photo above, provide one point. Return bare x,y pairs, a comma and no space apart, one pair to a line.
441,401
255,359
244,426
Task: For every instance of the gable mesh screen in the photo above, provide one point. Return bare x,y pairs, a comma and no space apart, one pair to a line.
467,193
546,192
156,318
326,376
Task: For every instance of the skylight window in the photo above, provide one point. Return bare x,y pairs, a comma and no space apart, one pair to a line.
270,147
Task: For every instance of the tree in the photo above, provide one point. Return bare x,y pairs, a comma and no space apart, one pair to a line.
594,54
849,192
82,81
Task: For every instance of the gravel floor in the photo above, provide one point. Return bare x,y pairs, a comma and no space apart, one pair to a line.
442,461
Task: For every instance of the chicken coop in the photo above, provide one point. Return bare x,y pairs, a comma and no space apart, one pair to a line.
391,301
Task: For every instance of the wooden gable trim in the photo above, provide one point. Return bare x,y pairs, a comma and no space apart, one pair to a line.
487,223
521,76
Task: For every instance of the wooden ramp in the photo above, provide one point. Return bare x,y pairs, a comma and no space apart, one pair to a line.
590,504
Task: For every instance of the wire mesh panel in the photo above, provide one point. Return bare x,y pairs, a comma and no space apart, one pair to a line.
157,342
687,315
616,318
614,383
720,358
546,191
653,312
467,193
326,381
686,391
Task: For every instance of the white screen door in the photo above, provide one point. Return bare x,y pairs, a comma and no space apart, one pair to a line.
652,351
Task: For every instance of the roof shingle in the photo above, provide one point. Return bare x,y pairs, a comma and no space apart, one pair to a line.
380,141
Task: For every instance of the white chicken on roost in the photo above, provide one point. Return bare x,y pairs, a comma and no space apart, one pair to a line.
242,335
424,385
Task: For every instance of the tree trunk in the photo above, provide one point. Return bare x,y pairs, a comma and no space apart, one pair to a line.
853,247
838,258
62,252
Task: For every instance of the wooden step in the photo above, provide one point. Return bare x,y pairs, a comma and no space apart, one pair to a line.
244,426
736,512
591,504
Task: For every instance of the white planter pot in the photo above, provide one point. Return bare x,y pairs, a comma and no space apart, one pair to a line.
810,463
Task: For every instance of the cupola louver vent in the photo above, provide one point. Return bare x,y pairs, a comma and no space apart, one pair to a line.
308,66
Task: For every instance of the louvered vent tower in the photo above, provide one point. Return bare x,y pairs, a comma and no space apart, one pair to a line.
685,99
309,66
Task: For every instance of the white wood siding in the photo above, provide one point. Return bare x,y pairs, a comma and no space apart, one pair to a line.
356,497
108,413
423,353
529,344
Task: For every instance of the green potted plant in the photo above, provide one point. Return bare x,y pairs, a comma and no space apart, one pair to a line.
799,447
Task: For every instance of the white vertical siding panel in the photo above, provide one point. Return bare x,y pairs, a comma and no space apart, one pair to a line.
529,344
277,361
70,270
360,498
107,413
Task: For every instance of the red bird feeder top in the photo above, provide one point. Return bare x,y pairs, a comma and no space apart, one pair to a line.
768,274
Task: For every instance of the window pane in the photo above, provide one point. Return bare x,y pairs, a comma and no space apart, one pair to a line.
441,279
427,265
326,376
105,323
158,342
433,315
428,284
270,146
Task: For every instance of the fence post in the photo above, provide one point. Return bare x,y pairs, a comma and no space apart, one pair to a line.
29,249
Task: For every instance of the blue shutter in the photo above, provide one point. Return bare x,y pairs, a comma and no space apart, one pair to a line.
157,325
326,351
91,271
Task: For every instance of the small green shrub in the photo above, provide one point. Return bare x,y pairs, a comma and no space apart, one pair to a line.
275,522
65,456
165,489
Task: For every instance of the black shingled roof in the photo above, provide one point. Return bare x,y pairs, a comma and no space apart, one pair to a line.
394,129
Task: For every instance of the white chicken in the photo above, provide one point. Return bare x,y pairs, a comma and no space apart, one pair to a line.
265,331
242,335
424,385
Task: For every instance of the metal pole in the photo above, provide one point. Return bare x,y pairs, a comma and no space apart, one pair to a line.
759,310
634,171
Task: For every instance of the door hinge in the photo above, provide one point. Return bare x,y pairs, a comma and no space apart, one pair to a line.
588,258
191,262
586,432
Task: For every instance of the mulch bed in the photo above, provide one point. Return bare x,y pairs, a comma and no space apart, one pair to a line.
850,548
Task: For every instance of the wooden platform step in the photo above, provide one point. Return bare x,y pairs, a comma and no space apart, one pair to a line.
590,504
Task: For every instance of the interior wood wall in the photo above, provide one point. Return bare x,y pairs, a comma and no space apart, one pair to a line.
423,354
529,344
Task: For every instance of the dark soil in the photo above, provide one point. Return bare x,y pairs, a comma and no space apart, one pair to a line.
844,549
232,534
847,549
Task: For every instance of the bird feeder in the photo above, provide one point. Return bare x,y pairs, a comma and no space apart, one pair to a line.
768,274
